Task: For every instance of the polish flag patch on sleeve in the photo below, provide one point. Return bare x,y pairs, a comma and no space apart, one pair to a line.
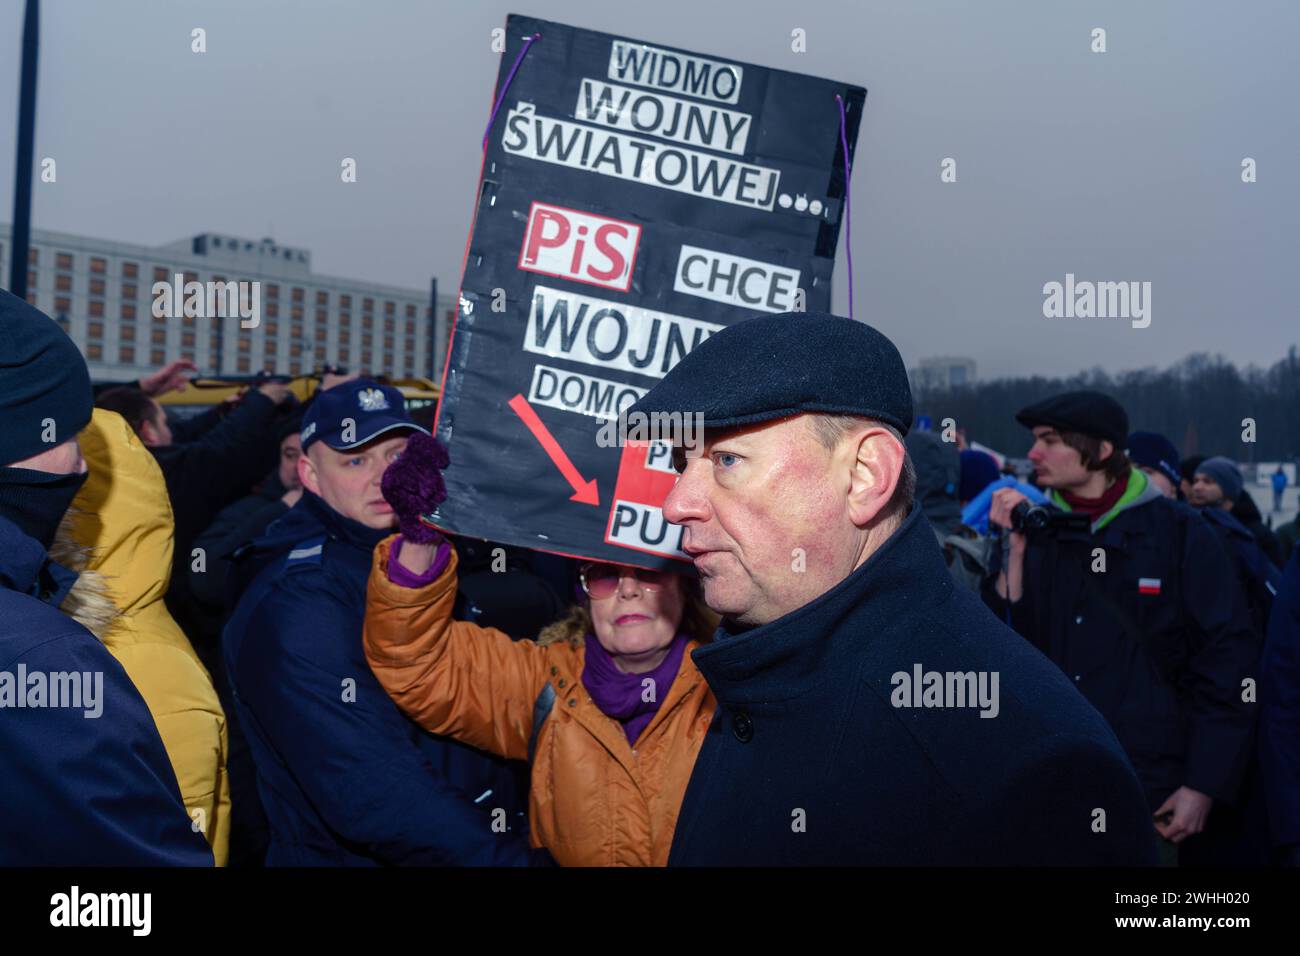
1148,585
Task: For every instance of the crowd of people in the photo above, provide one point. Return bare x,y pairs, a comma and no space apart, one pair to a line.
285,663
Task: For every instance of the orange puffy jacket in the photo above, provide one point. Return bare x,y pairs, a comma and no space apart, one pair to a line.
595,800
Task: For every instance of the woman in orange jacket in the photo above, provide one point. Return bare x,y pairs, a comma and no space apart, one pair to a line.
607,705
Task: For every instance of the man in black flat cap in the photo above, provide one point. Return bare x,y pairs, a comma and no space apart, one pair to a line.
870,712
1140,608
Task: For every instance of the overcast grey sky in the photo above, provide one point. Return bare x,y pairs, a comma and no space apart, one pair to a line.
1117,166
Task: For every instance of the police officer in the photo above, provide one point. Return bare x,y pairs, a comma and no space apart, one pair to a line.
870,711
344,777
1140,607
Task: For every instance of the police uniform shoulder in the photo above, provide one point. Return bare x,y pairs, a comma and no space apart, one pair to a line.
305,556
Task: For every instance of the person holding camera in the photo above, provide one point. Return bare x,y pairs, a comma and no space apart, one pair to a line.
1135,599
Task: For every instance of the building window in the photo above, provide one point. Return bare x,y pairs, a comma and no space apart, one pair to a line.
367,305
128,311
130,270
63,260
96,286
365,359
243,343
63,304
272,309
345,302
126,354
321,333
157,356
129,290
63,283
32,257
271,347
388,326
187,354
390,308
191,277
345,337
320,354
31,278
271,328
410,347
367,322
388,344
158,336
322,297
295,367
242,363
96,308
272,291
296,312
95,350
126,331
344,356
95,330
410,311
160,274
187,340
98,265
295,330
297,294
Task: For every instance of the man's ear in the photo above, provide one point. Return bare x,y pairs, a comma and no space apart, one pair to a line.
876,469
307,474
1107,449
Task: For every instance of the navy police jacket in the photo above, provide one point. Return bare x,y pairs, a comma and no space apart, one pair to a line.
1160,641
344,777
852,731
86,785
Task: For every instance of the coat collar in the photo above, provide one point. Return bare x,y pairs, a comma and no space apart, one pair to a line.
792,655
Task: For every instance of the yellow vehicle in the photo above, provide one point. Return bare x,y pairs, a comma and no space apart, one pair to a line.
203,393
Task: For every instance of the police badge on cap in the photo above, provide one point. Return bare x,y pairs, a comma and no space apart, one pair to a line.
353,413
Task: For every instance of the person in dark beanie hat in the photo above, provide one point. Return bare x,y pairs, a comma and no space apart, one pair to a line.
84,782
1217,486
796,506
1158,458
1167,613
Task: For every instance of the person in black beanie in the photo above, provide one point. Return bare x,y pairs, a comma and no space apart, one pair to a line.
1136,605
84,777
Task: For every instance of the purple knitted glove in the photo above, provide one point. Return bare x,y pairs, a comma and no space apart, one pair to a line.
413,486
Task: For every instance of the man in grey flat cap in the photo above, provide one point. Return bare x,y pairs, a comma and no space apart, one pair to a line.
870,713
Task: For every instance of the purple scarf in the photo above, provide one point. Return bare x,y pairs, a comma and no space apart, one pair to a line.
620,695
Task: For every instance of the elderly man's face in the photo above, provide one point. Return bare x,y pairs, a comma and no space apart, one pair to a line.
772,518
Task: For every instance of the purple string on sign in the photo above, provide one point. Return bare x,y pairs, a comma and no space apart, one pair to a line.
528,41
848,208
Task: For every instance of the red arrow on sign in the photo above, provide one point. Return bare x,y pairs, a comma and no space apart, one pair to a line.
584,492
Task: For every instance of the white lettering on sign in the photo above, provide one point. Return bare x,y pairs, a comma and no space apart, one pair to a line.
581,246
735,280
610,153
610,334
584,394
641,111
644,527
675,72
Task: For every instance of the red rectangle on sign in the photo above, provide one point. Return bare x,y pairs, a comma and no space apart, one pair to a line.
636,520
584,247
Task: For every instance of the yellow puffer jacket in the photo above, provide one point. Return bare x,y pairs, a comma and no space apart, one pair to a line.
123,516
